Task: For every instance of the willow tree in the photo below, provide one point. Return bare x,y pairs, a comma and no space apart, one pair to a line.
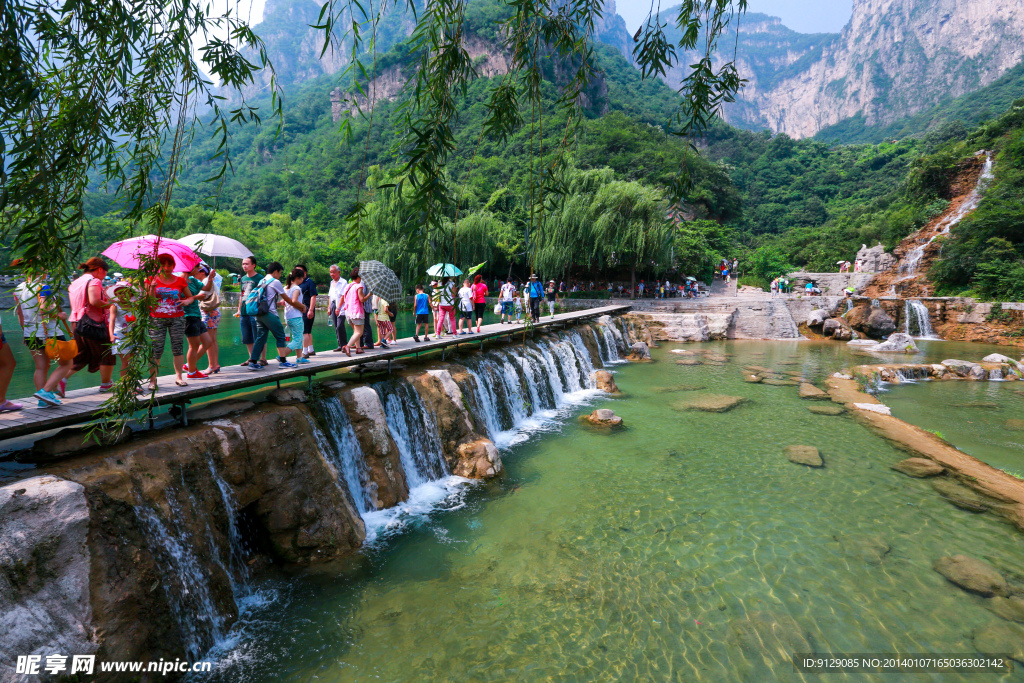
630,225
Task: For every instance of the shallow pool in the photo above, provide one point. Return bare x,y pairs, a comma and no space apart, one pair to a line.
684,547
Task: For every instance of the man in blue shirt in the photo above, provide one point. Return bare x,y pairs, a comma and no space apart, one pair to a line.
422,312
308,289
536,292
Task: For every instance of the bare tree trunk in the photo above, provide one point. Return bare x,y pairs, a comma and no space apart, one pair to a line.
632,281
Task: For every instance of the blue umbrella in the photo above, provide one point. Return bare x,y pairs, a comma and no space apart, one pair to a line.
443,270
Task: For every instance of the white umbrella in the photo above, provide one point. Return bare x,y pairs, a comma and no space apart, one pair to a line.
216,245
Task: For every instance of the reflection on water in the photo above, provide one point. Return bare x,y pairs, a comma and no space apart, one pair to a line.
685,547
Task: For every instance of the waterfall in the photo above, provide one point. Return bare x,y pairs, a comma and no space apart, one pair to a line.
849,305
348,456
912,374
917,321
237,569
184,580
415,433
875,303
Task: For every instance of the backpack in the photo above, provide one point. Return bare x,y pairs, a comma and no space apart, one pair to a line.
256,300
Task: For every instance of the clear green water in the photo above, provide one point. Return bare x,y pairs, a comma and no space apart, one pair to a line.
647,554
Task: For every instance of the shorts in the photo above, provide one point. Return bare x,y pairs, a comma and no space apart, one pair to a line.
307,323
211,319
465,315
422,318
479,310
295,326
506,307
92,353
356,322
37,344
194,326
118,347
248,329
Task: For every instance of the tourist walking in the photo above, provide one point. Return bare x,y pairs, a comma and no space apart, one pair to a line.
38,311
309,301
195,330
535,290
209,308
294,311
121,317
552,298
465,296
354,296
268,323
506,297
7,365
774,287
248,322
479,300
368,319
335,306
383,320
422,312
436,293
171,295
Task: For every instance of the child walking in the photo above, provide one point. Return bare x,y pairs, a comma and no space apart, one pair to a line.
422,312
294,312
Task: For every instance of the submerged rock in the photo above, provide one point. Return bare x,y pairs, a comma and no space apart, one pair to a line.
1000,638
1011,608
808,390
870,549
1014,424
775,382
804,455
827,409
603,417
767,643
919,468
689,361
710,403
678,387
961,496
896,343
753,379
971,574
685,352
604,381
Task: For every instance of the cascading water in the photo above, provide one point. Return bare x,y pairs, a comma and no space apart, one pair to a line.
414,431
917,321
237,569
348,456
909,265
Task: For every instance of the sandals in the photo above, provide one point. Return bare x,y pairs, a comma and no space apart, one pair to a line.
346,350
181,382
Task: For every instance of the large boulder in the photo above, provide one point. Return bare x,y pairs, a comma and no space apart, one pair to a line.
871,321
960,368
804,455
896,343
972,574
478,459
817,318
604,381
875,259
639,352
603,417
829,327
1016,366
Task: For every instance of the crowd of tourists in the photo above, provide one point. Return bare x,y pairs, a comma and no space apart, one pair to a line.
186,309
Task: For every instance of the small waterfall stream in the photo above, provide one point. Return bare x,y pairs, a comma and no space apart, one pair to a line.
349,456
415,433
917,321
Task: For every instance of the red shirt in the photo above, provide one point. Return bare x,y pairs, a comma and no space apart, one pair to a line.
479,293
169,297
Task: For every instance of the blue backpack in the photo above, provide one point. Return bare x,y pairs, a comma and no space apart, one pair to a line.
256,300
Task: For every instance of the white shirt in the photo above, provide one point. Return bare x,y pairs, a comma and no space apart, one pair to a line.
508,291
290,311
335,291
465,299
272,289
28,298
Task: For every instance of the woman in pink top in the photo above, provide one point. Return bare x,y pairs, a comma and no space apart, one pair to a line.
479,299
354,296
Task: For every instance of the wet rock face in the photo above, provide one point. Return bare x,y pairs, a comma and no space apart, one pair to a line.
871,321
477,460
960,368
604,381
897,343
603,417
44,569
1011,608
383,459
817,318
972,574
639,351
962,496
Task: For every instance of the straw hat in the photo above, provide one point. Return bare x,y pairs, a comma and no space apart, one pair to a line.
113,289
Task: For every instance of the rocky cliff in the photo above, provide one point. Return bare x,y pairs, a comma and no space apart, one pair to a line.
893,59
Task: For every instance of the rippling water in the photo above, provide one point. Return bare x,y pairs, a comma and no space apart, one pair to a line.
684,547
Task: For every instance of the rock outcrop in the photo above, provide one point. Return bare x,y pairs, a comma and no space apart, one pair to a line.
972,574
871,321
603,417
896,343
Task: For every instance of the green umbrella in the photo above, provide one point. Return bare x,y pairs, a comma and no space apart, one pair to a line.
443,270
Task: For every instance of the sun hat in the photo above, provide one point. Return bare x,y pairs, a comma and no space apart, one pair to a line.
113,289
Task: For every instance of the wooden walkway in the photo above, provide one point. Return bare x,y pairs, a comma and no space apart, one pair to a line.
83,405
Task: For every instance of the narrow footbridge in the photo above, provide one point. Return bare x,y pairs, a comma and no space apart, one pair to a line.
84,405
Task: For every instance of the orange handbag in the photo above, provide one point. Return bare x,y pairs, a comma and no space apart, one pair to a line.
62,351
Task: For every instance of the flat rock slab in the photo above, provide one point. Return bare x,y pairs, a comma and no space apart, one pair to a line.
829,409
710,403
689,361
758,368
753,379
1014,425
804,455
771,381
1011,609
685,352
972,574
919,468
961,496
1001,638
808,390
714,358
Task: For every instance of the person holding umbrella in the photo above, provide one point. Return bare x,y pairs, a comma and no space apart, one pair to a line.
354,296
172,295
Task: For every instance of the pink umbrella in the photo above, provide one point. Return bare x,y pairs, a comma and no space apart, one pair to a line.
128,253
